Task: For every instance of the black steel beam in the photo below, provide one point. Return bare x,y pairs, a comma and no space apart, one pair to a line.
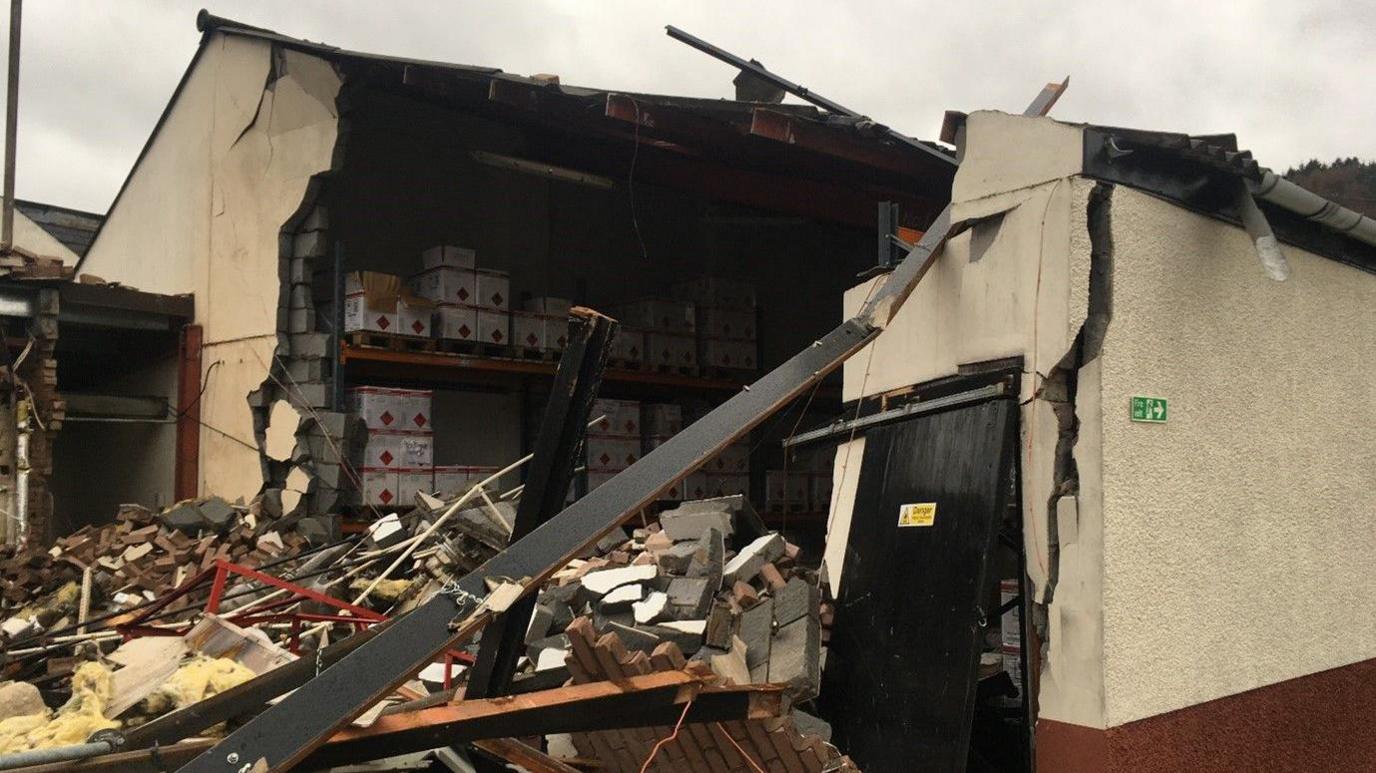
802,92
552,463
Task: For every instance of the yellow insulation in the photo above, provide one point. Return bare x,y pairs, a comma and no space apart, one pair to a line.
196,680
79,718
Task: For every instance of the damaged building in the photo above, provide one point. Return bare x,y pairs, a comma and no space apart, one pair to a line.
494,420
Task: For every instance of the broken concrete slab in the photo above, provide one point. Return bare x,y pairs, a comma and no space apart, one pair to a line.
797,598
553,658
721,625
756,628
808,724
541,619
604,581
709,558
614,540
654,608
680,525
688,641
795,657
731,666
747,563
677,558
635,638
218,513
621,599
691,597
184,517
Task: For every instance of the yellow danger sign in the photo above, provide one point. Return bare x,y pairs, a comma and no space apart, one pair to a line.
917,514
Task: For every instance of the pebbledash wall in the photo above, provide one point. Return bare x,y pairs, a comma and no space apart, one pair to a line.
1206,587
202,211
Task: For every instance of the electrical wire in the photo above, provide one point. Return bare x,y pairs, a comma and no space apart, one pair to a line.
667,739
741,750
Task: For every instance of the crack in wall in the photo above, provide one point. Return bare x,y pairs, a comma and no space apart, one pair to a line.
1060,386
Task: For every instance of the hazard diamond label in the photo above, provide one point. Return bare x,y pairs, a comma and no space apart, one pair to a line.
385,496
387,418
418,326
384,323
497,336
464,331
605,459
532,339
420,420
497,299
386,457
463,293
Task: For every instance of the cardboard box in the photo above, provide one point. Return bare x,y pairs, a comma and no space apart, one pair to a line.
392,449
611,453
411,480
446,284
734,459
671,350
455,323
661,419
548,304
716,291
628,345
528,330
667,315
732,355
556,331
729,324
695,486
380,407
413,316
720,485
621,418
494,327
446,255
494,290
360,317
379,486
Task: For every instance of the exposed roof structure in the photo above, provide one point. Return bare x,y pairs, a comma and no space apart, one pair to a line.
802,155
72,227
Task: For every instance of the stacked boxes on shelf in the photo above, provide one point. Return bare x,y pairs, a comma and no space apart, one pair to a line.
614,442
377,303
669,327
398,458
472,304
787,491
451,480
661,421
447,278
725,321
542,323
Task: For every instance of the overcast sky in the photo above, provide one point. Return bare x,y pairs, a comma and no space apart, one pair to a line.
1292,79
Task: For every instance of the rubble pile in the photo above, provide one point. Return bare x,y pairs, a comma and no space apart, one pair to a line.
708,578
142,555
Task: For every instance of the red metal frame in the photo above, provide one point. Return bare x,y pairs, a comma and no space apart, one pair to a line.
218,574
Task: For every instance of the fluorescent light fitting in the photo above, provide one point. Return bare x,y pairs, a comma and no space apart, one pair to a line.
550,171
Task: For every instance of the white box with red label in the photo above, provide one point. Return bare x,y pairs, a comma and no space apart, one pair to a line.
731,324
449,256
456,323
819,492
451,479
662,419
556,331
380,407
379,485
619,417
612,453
726,485
628,344
528,330
446,284
724,353
494,327
734,459
695,486
359,316
668,315
671,350
494,290
413,316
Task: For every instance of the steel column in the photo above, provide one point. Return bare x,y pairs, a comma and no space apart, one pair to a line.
187,473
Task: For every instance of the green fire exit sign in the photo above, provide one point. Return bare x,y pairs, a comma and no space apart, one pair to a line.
1149,409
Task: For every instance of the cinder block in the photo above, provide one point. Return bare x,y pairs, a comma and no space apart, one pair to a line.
306,345
317,220
310,244
300,321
